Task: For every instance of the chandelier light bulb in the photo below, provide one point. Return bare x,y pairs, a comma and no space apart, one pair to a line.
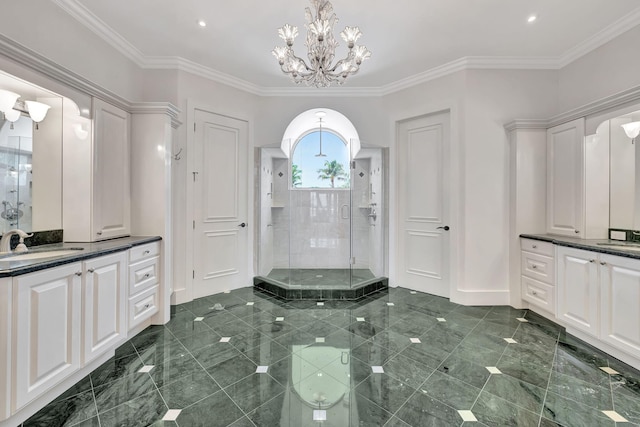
321,71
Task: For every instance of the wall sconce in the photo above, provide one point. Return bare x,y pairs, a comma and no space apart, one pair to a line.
37,111
632,130
8,100
12,116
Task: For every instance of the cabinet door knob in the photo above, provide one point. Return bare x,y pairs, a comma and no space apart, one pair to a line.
603,263
146,252
534,266
577,231
91,270
78,273
146,275
534,246
592,260
99,233
534,292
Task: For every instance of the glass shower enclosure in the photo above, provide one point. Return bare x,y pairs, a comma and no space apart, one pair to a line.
321,219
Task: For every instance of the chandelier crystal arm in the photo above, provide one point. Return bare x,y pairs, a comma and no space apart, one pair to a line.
321,44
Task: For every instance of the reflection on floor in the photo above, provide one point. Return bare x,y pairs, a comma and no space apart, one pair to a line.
320,278
395,359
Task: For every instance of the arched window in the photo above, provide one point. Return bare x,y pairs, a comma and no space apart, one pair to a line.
320,159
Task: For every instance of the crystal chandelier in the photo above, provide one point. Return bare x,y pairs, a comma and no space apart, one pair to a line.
320,72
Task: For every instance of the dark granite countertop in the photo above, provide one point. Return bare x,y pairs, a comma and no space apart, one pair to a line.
593,245
84,251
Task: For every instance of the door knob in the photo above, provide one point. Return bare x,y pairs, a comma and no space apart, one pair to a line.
445,228
243,225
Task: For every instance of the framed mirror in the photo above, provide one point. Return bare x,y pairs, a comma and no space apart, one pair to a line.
624,173
30,159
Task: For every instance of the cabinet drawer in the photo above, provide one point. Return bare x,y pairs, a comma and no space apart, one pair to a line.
539,294
537,247
143,306
539,267
138,253
143,275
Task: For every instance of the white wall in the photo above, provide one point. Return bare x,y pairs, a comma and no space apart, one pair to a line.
47,29
610,69
492,98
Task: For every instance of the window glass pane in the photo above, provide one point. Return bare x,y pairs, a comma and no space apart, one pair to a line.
309,170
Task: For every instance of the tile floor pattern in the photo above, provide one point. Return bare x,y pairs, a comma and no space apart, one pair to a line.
467,366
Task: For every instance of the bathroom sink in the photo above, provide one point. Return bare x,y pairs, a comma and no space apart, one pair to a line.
27,256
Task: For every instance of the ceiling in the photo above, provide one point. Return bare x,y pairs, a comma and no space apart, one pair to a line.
409,39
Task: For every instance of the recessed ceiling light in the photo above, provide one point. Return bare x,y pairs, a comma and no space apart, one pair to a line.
202,23
532,18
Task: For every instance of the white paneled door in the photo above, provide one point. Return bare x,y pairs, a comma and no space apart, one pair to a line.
220,252
423,204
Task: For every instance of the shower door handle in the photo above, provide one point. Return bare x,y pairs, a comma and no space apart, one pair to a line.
344,211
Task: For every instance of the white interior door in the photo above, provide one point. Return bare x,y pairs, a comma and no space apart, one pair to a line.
423,204
220,252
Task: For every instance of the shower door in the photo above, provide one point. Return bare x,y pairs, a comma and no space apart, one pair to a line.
319,215
366,215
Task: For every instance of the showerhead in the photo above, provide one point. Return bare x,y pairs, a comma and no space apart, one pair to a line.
320,121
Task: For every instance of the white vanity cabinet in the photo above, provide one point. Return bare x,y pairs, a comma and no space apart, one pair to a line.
144,279
96,178
538,274
578,289
46,330
60,319
599,294
620,302
104,298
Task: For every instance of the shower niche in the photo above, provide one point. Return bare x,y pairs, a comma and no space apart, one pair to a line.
322,216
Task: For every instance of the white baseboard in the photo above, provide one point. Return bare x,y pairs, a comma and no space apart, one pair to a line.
179,296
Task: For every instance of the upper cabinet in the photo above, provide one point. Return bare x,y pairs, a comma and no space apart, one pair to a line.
97,194
577,184
565,179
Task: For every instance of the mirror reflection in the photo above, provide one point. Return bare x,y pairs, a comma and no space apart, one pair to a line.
16,146
30,156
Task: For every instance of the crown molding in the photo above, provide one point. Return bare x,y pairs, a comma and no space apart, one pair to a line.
608,103
101,29
626,97
157,108
529,124
95,24
602,37
24,56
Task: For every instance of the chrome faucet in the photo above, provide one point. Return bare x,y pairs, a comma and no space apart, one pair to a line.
5,242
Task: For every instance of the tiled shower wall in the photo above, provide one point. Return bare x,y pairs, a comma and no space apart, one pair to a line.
310,228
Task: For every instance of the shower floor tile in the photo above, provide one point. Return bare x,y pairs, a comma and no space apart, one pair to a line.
461,368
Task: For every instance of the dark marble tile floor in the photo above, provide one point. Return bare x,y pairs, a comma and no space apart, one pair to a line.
396,359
